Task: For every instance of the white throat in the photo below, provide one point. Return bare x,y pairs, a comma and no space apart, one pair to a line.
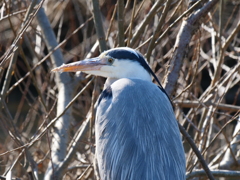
109,81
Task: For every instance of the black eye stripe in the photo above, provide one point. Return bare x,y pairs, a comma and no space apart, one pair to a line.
125,54
133,55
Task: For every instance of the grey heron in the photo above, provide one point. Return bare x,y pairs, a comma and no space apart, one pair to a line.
137,135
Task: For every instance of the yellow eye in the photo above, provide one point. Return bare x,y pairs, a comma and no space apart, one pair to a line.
110,60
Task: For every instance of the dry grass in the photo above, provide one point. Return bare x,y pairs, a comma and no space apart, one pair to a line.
206,93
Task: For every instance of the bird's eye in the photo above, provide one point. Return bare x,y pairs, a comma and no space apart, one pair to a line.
110,60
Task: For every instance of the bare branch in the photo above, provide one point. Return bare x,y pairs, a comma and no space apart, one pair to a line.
159,26
144,23
216,173
99,25
121,22
188,28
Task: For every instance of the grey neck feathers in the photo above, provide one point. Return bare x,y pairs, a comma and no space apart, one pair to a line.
109,81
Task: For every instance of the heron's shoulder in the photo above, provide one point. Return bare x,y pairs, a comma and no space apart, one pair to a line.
125,83
131,86
106,94
126,88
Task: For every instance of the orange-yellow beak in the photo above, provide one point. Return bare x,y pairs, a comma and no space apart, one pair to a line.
85,65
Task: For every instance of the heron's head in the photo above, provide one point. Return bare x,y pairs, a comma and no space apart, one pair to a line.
115,63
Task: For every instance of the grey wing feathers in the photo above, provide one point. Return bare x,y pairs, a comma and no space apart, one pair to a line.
137,136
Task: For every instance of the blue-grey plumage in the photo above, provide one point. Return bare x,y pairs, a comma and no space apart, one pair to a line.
137,135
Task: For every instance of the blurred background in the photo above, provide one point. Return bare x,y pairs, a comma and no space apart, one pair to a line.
35,144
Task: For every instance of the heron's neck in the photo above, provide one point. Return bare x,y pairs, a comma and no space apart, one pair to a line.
109,81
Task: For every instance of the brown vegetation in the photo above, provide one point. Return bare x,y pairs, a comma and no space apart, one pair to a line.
48,130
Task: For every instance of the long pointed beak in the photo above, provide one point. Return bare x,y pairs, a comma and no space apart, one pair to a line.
85,65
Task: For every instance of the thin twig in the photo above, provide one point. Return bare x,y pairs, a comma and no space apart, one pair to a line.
159,26
120,13
216,173
99,25
131,23
194,104
197,152
223,49
146,21
61,114
47,56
